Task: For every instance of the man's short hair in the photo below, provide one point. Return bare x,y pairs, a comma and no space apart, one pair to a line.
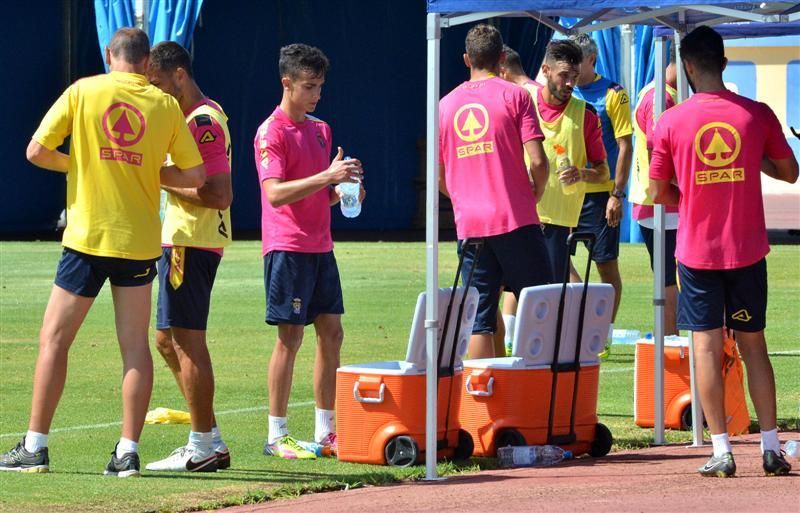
130,44
703,47
298,58
169,56
513,62
563,50
587,44
484,45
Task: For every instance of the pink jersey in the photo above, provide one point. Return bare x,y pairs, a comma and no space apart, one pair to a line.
592,129
713,144
482,126
288,151
211,139
644,118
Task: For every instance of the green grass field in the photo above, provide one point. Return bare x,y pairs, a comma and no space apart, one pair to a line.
381,282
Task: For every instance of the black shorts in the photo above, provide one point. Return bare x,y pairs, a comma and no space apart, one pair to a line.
301,286
555,241
593,219
670,270
736,298
85,275
513,260
185,276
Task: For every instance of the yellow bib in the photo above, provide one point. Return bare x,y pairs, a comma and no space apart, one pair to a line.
187,224
640,177
566,130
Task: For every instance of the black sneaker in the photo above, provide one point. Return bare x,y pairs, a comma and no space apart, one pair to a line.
20,460
775,464
724,466
127,466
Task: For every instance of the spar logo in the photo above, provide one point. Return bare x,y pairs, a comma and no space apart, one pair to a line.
471,122
717,145
124,125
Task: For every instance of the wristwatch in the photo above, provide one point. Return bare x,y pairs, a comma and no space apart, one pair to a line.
619,194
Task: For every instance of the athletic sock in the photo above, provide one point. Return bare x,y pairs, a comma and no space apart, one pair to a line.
770,442
201,443
721,444
510,321
278,428
216,438
35,441
324,424
125,446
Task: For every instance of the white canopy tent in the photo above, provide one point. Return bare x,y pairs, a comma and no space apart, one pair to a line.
594,15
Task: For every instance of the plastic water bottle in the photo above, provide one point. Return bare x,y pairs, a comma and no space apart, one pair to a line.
349,203
792,448
562,164
625,336
531,455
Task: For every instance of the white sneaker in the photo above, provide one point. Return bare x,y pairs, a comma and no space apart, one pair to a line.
223,455
184,459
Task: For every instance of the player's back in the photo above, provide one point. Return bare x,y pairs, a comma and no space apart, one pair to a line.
121,129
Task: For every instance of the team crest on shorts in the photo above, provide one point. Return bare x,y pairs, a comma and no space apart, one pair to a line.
297,303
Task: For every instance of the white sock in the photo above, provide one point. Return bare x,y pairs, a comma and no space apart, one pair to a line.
324,423
510,321
770,442
201,443
278,428
216,437
35,441
125,446
721,444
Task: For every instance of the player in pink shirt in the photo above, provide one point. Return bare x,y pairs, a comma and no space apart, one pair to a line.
715,146
484,124
301,279
644,126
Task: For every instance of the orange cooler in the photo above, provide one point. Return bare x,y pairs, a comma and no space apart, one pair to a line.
380,406
677,390
507,400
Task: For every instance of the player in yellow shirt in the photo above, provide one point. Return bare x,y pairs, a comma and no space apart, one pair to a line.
602,205
197,226
121,130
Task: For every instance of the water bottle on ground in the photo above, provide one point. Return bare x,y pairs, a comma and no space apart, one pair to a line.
625,336
562,164
349,202
531,455
792,448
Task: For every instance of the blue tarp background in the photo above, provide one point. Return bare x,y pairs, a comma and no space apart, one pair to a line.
374,98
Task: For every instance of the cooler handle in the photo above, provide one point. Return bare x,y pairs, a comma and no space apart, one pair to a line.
371,400
480,393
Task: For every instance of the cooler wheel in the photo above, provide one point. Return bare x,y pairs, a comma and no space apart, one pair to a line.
602,442
465,446
508,437
401,451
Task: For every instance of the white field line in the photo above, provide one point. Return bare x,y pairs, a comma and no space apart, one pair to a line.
293,405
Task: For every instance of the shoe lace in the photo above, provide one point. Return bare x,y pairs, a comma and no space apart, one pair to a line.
291,443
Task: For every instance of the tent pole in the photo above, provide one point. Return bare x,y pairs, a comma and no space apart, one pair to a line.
658,263
697,409
434,36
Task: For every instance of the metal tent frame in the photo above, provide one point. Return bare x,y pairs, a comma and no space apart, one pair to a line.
678,15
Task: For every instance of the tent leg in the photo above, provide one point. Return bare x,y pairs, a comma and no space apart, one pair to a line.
658,263
434,36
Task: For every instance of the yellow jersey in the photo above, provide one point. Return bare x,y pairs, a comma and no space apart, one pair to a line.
121,129
187,224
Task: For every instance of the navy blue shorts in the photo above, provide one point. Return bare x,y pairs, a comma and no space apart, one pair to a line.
85,275
555,241
593,219
736,298
513,260
301,286
185,278
670,270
